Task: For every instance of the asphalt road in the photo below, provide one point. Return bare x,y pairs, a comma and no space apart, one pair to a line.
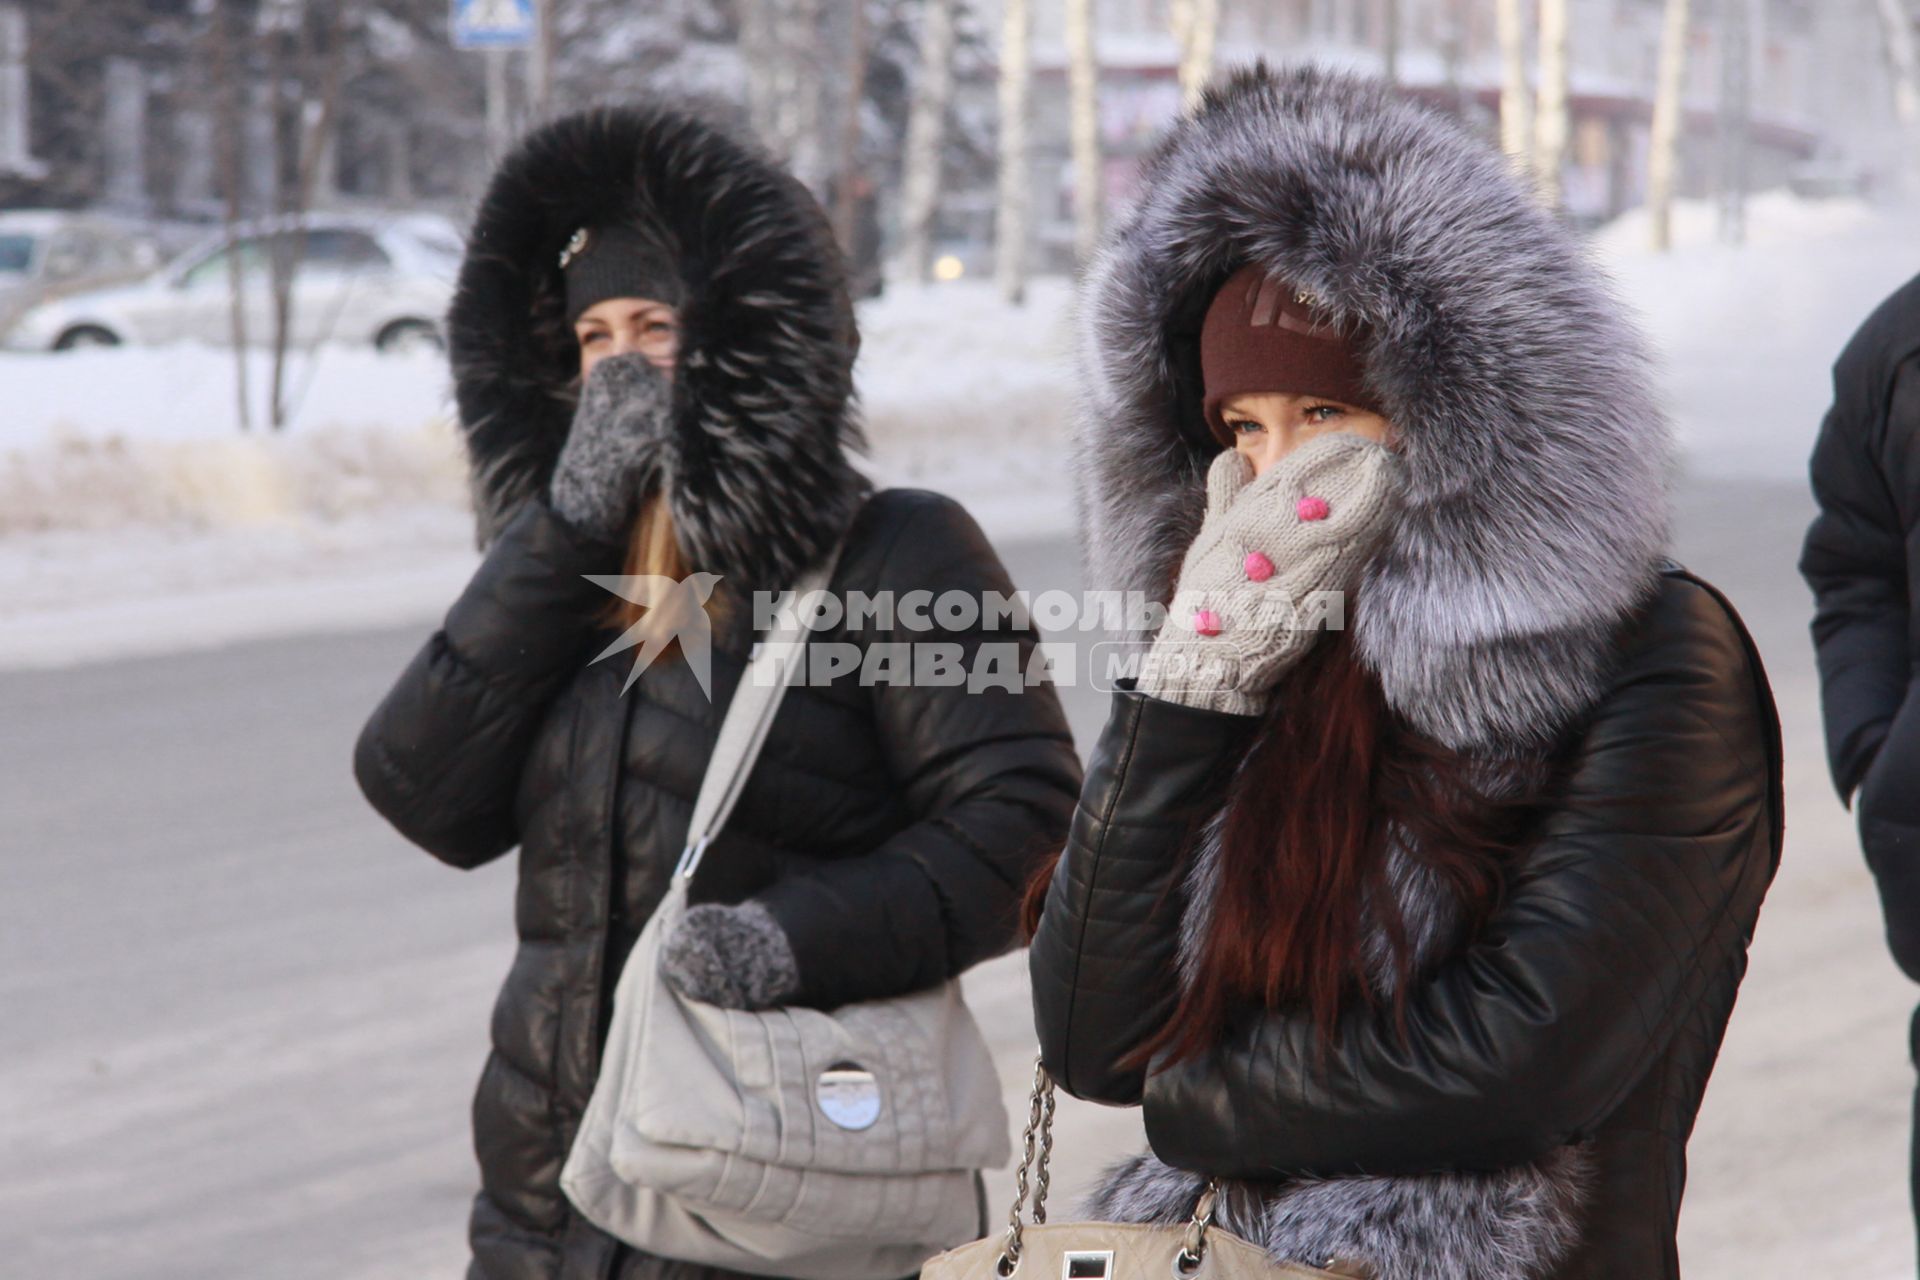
240,1018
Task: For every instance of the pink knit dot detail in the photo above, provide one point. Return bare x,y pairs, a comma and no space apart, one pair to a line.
1258,567
1206,622
1312,509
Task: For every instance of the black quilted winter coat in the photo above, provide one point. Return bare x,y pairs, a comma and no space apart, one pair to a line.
888,828
1862,559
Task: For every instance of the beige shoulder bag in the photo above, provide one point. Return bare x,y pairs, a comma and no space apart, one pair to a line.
807,1143
1102,1250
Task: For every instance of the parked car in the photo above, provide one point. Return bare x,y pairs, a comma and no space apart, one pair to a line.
380,281
46,253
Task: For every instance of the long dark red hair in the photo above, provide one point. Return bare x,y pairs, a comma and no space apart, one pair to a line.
1332,774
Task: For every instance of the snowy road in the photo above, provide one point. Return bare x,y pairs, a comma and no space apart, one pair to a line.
243,1018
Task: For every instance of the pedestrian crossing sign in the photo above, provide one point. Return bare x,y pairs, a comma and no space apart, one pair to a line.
492,24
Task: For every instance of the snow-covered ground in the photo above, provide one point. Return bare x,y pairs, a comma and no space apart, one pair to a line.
136,516
1747,335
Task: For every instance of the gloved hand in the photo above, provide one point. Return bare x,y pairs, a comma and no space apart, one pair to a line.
612,450
737,957
1241,614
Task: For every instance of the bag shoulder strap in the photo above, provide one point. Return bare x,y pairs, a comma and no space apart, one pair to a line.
776,663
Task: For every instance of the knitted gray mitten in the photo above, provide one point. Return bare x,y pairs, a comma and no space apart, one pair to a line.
1245,610
736,957
613,447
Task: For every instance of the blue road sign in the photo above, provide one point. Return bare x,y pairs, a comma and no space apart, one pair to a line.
492,24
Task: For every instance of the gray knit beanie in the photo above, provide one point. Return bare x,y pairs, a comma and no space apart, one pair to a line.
618,261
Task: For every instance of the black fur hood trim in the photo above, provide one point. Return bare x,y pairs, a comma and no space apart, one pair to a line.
758,469
1537,452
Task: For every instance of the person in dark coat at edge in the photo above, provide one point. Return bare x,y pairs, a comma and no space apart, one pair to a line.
1421,935
1863,562
677,399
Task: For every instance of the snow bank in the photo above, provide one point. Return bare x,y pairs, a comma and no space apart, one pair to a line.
135,516
131,437
959,391
969,396
1747,334
188,392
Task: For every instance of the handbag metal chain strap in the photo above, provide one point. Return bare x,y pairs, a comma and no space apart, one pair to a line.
1036,1155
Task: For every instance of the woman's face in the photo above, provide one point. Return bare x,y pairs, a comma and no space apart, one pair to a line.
619,326
1269,426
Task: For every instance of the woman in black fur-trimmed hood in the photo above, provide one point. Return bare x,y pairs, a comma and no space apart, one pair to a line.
653,349
1421,939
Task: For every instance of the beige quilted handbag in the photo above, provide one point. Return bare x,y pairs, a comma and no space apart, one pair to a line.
1103,1250
794,1142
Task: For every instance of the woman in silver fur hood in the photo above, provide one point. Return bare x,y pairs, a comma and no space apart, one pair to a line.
1420,936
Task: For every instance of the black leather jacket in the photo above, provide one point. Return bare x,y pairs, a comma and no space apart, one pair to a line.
1592,1007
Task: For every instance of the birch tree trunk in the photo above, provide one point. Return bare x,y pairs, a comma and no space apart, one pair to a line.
1453,55
1390,40
540,61
1903,57
1195,25
760,51
803,89
1550,121
1669,106
1083,76
926,139
1736,111
847,163
230,139
1903,51
16,151
499,104
1016,80
1516,95
316,61
780,42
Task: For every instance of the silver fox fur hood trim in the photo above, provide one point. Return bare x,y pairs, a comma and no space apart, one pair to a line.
1537,453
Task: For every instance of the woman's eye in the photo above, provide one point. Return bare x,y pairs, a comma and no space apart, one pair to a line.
1324,413
1243,426
588,339
658,326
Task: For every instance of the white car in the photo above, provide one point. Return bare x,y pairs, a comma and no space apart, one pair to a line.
45,253
380,281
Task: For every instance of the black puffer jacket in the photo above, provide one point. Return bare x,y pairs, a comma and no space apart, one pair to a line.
888,828
1862,559
1533,1124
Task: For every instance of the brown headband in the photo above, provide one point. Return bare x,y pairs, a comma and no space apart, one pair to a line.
1262,335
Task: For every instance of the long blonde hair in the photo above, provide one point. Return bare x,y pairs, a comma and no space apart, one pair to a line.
653,548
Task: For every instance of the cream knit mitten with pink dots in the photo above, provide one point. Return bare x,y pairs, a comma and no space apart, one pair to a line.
1254,588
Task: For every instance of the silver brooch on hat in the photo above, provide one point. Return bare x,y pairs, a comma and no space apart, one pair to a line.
576,245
